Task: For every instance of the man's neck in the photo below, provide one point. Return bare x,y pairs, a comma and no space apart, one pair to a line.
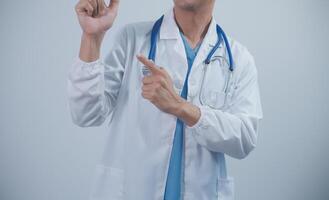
193,24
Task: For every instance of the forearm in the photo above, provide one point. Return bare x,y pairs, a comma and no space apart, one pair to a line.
85,94
235,135
93,87
90,47
220,131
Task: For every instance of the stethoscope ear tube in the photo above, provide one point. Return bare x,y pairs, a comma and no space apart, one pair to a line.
221,36
228,47
213,50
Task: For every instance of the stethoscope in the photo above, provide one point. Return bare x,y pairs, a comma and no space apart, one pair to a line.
210,58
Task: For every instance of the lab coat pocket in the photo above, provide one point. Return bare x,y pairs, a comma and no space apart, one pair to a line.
107,183
225,188
214,99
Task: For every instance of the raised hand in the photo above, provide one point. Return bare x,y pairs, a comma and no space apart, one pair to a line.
95,17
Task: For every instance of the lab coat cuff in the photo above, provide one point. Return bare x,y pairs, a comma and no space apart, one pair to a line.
87,64
201,123
90,67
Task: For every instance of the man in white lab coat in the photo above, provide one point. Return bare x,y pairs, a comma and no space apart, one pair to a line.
146,157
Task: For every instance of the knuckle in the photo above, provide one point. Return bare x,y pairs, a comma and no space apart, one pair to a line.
162,80
158,78
146,80
162,69
152,99
152,96
158,86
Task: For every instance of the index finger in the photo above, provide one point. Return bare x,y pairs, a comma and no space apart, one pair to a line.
101,5
149,64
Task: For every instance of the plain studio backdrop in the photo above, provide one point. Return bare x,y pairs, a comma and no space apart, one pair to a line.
44,156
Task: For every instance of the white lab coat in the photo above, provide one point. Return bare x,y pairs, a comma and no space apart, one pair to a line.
135,160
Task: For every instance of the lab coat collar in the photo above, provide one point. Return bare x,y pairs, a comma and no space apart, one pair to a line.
170,30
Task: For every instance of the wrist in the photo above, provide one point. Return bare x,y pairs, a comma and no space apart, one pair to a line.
93,38
179,109
90,47
187,112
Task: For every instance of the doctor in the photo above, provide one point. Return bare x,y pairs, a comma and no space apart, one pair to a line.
179,96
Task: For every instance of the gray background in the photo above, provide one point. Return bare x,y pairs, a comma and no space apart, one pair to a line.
44,156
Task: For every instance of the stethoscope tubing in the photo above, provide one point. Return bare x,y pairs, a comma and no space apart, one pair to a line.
221,38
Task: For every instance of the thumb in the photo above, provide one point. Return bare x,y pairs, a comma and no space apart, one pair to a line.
113,3
165,72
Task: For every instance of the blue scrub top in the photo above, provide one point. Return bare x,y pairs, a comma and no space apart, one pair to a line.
173,184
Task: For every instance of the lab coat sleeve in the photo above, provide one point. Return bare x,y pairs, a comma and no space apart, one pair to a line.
235,130
93,87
